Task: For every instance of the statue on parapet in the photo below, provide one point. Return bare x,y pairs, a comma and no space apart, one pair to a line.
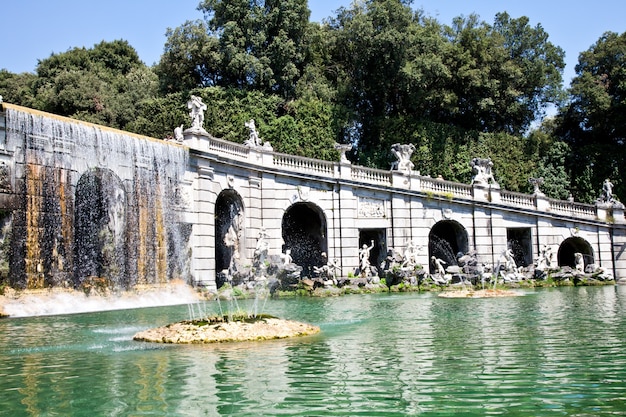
481,170
178,134
607,197
607,191
343,148
403,158
196,112
254,140
536,183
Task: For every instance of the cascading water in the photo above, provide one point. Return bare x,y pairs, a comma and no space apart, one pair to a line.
440,248
96,206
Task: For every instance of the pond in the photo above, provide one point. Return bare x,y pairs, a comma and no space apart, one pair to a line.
551,352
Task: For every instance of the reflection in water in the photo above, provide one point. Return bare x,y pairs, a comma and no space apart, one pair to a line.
551,352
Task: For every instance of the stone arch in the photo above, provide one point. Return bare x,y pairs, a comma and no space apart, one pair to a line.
229,228
571,245
304,233
100,227
446,239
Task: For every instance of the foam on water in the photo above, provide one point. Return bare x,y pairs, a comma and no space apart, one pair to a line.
56,303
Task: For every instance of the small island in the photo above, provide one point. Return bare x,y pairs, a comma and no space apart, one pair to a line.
484,293
227,329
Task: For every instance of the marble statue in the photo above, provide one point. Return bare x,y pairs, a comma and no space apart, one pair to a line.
364,259
439,265
196,112
509,260
536,183
545,259
254,140
178,134
410,255
481,169
329,269
403,157
262,249
286,257
607,191
579,261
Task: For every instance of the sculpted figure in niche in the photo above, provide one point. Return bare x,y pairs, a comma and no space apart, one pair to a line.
196,112
439,265
403,155
364,258
287,259
509,260
329,269
580,262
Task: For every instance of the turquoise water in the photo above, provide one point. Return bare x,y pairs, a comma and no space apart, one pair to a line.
553,352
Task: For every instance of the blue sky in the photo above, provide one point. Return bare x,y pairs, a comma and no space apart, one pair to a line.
33,29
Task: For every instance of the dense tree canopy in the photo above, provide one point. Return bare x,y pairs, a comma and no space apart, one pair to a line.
593,123
376,73
104,84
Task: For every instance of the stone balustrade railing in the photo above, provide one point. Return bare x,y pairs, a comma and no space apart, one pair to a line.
302,164
569,208
371,175
445,188
415,182
229,148
518,199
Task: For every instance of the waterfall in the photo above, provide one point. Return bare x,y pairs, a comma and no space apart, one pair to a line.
96,206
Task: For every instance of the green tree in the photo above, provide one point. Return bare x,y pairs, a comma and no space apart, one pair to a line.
593,123
551,153
373,40
247,44
505,74
103,85
17,88
190,58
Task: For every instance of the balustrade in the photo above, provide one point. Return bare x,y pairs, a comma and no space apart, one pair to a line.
517,199
447,188
440,187
371,175
302,164
573,209
229,148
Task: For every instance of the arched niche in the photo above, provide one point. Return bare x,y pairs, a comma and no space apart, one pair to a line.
571,245
446,239
304,233
229,229
100,228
